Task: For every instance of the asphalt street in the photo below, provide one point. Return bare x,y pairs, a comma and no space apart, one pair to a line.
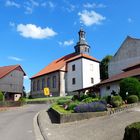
17,123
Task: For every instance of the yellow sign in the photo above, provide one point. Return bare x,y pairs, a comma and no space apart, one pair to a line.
46,91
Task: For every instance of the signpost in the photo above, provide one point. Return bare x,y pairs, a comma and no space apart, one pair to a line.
46,91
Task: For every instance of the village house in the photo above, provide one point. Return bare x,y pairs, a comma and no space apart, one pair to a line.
69,73
11,81
125,63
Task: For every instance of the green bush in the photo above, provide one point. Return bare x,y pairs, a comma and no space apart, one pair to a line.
72,105
116,101
89,100
106,98
63,101
130,86
75,97
132,99
1,96
83,97
132,132
30,97
22,100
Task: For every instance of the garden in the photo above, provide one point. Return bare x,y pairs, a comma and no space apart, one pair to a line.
129,93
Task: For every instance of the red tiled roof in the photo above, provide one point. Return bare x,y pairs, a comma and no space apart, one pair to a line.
7,69
117,77
60,64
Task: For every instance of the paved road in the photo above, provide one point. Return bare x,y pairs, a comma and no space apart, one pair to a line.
100,128
17,123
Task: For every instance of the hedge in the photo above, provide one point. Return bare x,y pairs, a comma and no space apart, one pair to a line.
132,132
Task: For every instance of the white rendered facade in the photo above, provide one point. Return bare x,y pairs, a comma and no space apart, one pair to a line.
86,74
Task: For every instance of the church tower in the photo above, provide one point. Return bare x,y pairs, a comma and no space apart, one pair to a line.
82,46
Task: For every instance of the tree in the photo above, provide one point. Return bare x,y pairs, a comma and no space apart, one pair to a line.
129,86
24,92
104,67
1,96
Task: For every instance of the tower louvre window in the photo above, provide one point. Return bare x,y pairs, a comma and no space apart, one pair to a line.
92,80
73,81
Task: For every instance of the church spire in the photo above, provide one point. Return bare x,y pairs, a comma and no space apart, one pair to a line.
82,46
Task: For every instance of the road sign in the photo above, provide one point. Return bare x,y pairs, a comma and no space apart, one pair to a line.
46,91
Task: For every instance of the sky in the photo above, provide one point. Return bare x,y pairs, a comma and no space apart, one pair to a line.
33,33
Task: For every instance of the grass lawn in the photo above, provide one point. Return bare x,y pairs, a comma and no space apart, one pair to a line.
48,98
61,109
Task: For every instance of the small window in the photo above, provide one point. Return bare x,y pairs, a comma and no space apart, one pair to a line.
48,82
73,67
73,81
92,80
54,81
108,87
38,85
43,83
34,85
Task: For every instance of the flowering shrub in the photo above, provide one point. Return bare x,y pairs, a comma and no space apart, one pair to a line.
91,107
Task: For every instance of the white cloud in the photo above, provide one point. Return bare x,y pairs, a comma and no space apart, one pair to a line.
15,58
71,8
51,4
26,77
130,20
12,24
30,5
34,3
89,18
94,5
28,10
12,3
66,43
32,31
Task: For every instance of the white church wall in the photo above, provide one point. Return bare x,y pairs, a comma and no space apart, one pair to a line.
90,70
77,74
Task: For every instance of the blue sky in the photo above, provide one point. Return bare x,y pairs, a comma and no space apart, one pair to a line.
35,32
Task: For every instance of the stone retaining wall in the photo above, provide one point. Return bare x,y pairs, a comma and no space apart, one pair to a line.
64,118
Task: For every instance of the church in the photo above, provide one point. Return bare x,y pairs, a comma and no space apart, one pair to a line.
74,71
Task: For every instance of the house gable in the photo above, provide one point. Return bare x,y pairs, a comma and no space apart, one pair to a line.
126,55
